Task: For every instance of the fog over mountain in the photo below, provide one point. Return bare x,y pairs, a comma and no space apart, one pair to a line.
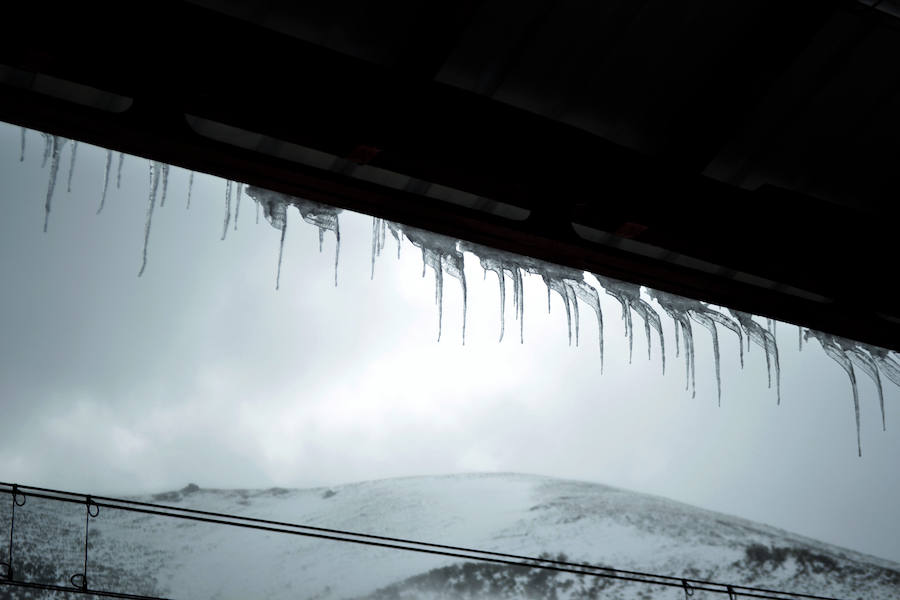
521,514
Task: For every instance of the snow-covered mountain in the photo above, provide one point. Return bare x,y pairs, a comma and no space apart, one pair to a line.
519,514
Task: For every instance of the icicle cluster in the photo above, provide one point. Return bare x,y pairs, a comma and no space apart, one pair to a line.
444,255
439,252
870,360
275,205
53,145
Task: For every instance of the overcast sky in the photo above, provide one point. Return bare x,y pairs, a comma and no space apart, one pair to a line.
200,371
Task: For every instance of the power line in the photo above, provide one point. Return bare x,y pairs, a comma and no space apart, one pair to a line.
49,587
94,503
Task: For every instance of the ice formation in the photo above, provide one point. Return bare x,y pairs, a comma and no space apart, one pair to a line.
154,186
53,145
190,189
119,170
105,180
275,205
870,360
765,339
71,166
682,311
446,256
629,297
237,205
228,184
441,254
164,167
22,151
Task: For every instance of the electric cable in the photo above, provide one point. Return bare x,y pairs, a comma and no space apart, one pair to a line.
687,584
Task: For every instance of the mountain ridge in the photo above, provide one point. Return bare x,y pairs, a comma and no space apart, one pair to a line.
523,514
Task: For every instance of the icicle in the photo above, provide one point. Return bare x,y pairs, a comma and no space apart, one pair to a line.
191,188
624,295
710,325
165,183
22,151
237,210
887,364
453,263
71,167
629,297
765,340
325,218
651,320
570,292
435,263
280,253
154,184
375,225
520,306
558,286
337,250
728,323
321,238
439,252
684,310
834,349
590,297
865,362
119,170
677,340
679,309
56,144
105,179
48,148
799,339
227,209
496,267
690,360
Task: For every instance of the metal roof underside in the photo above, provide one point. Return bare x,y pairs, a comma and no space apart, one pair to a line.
741,152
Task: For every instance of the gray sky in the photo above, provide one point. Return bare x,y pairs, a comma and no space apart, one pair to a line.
200,371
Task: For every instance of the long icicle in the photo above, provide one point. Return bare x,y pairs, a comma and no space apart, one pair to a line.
237,205
105,180
22,151
55,146
280,252
710,325
154,184
833,350
375,221
227,208
48,148
867,364
520,304
71,166
501,281
591,297
191,189
119,170
337,250
165,184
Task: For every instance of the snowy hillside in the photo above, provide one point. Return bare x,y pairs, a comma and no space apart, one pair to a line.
519,514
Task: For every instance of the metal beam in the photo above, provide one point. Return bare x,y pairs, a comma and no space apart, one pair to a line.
180,59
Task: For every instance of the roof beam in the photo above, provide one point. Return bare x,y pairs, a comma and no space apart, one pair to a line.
181,59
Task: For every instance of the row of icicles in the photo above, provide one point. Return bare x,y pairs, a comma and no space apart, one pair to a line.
444,255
